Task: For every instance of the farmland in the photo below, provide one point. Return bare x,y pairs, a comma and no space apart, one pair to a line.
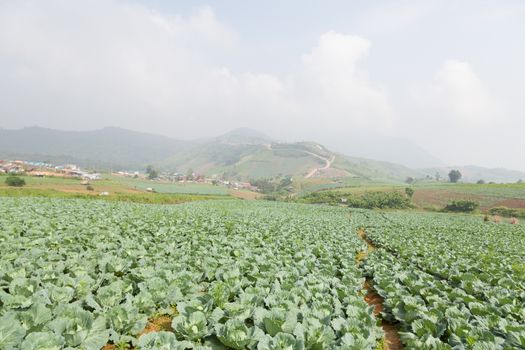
451,282
117,188
228,275
254,275
428,195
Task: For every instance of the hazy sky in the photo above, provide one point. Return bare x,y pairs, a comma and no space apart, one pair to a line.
448,75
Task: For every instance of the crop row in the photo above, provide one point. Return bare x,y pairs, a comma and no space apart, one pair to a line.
229,275
452,282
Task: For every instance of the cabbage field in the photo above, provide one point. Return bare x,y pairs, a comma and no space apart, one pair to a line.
229,275
453,282
77,274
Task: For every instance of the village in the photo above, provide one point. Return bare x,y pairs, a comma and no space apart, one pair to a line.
73,171
190,177
42,169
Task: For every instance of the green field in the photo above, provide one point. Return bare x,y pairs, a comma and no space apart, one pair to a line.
184,188
82,274
58,187
432,195
451,282
227,275
118,189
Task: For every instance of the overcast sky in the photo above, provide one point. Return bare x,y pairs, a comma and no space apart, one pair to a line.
448,75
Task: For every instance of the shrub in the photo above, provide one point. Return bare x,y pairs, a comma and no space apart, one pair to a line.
89,188
380,200
321,197
507,212
462,206
15,181
409,192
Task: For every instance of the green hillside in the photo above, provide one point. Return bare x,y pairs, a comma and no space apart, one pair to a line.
242,153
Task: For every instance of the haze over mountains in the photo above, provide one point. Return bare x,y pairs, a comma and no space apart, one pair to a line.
243,152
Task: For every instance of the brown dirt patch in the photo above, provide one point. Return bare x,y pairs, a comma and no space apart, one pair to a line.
440,198
243,194
157,324
109,347
511,203
372,298
391,339
370,245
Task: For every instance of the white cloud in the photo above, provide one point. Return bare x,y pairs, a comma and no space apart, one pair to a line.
332,86
106,63
460,119
84,65
113,63
465,96
458,97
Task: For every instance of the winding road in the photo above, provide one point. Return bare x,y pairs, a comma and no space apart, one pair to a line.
328,164
328,161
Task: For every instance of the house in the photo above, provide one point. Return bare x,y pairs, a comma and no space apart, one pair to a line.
92,177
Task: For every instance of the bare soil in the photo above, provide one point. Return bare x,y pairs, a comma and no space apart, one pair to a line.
440,198
157,324
391,339
511,203
243,194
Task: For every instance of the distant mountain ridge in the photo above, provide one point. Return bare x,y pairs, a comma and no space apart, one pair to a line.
109,146
242,153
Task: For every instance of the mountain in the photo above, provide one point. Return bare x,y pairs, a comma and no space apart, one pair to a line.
105,148
241,153
472,173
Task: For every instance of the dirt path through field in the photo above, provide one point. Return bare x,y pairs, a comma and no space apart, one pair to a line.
392,341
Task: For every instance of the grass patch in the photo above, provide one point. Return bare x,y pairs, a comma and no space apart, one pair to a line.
179,188
148,198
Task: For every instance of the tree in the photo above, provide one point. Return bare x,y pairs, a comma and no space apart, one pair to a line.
481,182
286,181
409,180
152,173
264,185
462,206
189,174
454,175
409,192
520,181
15,181
438,176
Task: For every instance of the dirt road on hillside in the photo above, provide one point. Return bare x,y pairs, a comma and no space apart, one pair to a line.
328,164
